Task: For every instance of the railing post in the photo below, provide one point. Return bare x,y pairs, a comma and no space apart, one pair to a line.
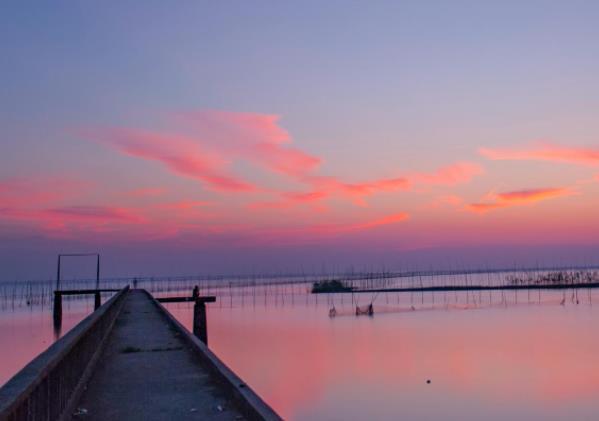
97,300
200,327
57,309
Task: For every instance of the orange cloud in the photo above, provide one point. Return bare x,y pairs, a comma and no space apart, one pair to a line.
519,197
545,152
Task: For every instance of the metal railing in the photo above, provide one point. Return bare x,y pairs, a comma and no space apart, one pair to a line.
49,386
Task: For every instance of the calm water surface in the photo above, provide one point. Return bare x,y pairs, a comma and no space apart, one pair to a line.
498,356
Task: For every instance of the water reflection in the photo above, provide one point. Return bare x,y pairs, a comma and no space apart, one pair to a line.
491,354
26,333
506,359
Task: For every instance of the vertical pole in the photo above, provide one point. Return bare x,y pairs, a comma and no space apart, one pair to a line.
57,309
98,273
200,328
58,274
97,300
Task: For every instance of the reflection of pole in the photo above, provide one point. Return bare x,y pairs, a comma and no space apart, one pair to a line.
57,309
200,327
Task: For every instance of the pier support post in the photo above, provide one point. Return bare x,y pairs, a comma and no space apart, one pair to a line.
200,327
57,309
97,300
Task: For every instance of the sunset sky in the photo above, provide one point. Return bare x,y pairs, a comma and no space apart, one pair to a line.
204,137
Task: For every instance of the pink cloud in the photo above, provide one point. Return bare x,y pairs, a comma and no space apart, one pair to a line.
187,204
532,195
389,219
67,218
357,192
252,137
203,144
545,152
207,144
180,154
147,192
329,186
101,214
232,128
38,191
519,197
447,199
288,161
484,207
311,233
459,172
290,199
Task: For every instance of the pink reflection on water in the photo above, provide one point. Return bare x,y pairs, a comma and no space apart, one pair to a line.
524,362
25,334
527,361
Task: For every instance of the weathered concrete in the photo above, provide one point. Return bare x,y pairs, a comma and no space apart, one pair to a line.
149,371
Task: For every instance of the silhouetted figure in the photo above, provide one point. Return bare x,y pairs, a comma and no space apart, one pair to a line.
196,292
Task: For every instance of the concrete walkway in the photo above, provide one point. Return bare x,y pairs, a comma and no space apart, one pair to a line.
147,372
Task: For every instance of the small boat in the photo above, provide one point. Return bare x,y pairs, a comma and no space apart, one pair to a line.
332,312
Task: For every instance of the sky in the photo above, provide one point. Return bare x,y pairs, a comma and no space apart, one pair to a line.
245,137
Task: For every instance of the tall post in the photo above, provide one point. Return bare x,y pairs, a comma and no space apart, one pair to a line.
57,309
97,300
200,327
98,273
58,274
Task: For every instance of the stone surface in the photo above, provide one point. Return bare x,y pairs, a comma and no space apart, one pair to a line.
147,372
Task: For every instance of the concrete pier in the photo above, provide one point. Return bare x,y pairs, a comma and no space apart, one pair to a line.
149,372
130,360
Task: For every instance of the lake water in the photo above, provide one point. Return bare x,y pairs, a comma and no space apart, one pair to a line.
499,355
